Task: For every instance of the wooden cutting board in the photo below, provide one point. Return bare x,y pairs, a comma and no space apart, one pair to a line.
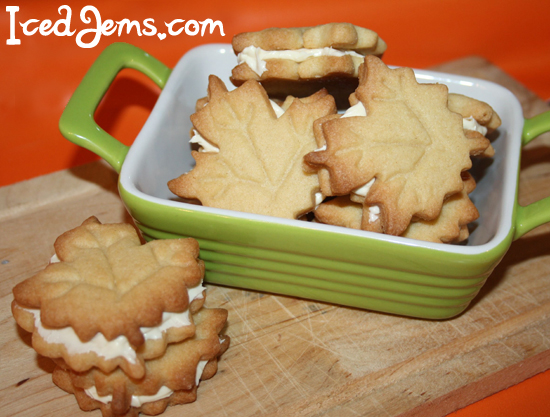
297,357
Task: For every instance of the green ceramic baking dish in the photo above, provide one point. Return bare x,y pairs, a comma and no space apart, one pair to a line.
297,258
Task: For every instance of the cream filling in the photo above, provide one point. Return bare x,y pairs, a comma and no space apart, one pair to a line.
138,400
469,123
108,349
374,211
170,320
256,58
319,197
278,109
119,347
355,110
364,189
205,146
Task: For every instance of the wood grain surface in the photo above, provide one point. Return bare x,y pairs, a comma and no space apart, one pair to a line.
298,357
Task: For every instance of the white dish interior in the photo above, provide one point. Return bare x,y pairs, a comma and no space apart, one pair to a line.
162,151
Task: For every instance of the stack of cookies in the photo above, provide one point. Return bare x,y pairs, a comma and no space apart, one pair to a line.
301,61
124,322
319,126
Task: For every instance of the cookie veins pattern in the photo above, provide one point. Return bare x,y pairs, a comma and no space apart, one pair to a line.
408,134
119,347
358,110
251,156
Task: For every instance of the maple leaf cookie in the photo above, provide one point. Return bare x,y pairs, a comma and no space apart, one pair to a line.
300,61
111,301
252,151
408,149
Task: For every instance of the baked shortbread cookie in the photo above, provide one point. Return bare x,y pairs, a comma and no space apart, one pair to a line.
479,118
300,61
449,227
251,151
470,109
169,380
110,301
408,149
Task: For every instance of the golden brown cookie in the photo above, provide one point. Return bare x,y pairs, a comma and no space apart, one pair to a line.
169,380
450,226
300,61
340,211
252,158
111,301
408,141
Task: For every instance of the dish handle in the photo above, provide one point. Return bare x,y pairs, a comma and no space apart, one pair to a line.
77,122
537,213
